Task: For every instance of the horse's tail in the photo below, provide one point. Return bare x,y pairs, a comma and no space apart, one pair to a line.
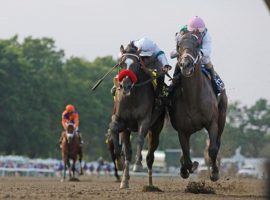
222,109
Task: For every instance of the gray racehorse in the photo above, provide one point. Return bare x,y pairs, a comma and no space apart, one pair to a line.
135,112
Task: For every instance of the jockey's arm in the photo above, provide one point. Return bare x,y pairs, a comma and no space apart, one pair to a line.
76,121
64,122
206,45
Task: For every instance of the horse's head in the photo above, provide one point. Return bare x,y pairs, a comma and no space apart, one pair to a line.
188,54
130,61
70,132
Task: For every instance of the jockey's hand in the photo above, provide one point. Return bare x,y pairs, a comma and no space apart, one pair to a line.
166,68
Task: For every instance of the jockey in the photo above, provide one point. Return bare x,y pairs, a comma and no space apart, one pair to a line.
197,26
147,49
70,115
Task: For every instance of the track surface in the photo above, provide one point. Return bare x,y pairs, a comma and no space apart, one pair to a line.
92,187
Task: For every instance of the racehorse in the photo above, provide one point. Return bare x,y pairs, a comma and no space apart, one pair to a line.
135,112
195,106
70,150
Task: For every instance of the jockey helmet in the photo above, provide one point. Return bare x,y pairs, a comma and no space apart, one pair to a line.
70,108
196,23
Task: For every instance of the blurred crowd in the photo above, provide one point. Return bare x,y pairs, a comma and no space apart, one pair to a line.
49,167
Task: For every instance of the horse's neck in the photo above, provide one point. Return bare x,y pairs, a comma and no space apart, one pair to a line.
142,77
192,88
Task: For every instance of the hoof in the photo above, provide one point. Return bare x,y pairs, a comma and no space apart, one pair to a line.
151,188
214,176
195,165
117,180
73,179
138,168
184,173
62,180
124,185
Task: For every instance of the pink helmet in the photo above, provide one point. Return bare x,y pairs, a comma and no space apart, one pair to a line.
196,23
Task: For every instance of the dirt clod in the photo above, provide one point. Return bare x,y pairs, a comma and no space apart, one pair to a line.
151,188
199,188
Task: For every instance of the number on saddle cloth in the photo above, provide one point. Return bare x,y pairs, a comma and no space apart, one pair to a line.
154,75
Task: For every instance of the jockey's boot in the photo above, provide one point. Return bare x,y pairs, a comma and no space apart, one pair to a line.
212,72
161,91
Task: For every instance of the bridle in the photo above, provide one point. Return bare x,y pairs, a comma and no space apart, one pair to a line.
142,66
131,54
194,59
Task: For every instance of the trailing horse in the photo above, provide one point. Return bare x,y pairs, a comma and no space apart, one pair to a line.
135,112
195,106
70,150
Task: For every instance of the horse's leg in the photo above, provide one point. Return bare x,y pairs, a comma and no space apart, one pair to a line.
80,160
116,172
69,170
186,164
65,165
127,151
65,169
153,141
113,157
113,131
143,129
73,167
213,149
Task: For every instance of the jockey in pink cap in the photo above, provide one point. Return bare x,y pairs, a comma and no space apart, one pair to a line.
197,26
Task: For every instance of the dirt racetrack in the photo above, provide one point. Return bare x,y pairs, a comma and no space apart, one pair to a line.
92,187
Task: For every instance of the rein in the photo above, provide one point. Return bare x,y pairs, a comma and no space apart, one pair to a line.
194,60
131,54
148,81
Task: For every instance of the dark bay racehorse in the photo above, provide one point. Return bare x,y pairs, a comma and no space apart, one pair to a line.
195,106
70,150
135,112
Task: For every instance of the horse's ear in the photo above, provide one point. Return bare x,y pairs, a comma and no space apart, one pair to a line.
122,50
